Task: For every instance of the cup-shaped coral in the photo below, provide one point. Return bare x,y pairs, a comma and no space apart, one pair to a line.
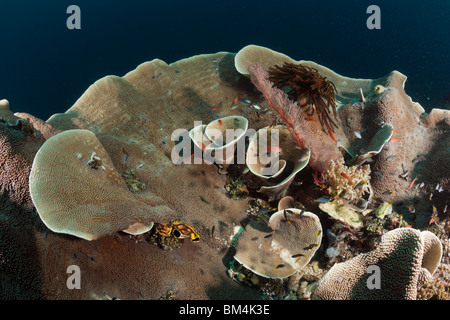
219,138
273,156
77,190
282,247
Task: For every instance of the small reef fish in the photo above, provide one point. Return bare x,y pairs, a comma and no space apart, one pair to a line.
266,210
246,101
220,122
215,108
439,188
279,266
379,121
419,157
303,158
411,209
379,174
298,255
313,245
268,236
393,139
310,119
412,183
322,200
357,134
256,107
390,158
235,100
274,149
332,135
236,122
346,176
388,192
202,145
434,217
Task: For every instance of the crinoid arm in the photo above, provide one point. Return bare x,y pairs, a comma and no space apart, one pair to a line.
313,92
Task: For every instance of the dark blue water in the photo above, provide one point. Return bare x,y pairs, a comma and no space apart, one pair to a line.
45,67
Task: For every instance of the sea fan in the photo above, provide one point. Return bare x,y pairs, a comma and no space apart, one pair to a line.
278,100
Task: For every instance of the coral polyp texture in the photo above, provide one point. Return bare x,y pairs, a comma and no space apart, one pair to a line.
86,186
403,261
77,190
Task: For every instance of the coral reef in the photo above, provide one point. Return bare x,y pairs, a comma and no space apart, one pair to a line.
404,258
128,126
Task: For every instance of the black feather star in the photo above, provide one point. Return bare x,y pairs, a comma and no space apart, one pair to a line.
313,92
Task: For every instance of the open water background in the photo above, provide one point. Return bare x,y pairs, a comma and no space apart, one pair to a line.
45,67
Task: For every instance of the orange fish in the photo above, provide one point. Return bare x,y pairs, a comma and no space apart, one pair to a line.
273,149
412,183
235,100
332,135
202,145
220,123
393,139
310,119
215,108
434,217
346,177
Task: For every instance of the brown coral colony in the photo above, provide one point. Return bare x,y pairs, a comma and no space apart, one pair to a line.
313,92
